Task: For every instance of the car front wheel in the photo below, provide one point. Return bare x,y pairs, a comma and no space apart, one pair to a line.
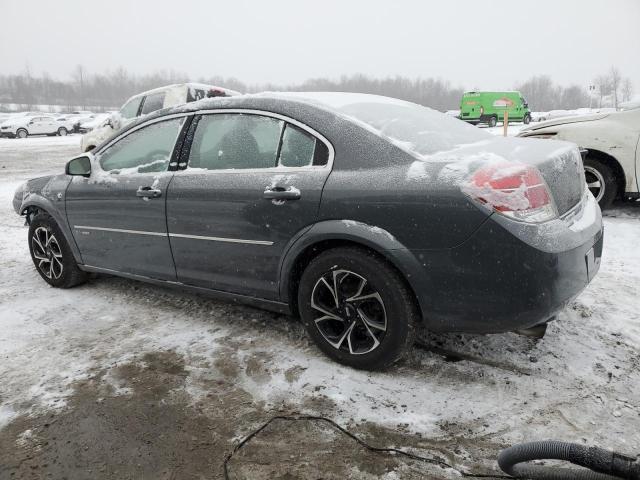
62,132
601,181
357,308
527,119
22,133
51,254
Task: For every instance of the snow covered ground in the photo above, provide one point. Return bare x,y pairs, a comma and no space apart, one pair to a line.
118,379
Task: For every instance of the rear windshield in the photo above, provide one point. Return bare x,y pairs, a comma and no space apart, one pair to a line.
417,129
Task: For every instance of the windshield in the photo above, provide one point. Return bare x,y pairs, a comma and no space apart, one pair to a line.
419,130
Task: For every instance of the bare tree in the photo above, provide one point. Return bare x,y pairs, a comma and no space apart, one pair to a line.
627,89
615,84
603,84
79,76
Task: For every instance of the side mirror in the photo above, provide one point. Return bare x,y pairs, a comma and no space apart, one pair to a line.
80,166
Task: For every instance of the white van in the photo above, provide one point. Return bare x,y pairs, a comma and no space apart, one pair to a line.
148,102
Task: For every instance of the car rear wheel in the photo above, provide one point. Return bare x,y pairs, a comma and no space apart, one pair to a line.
357,308
493,121
51,254
22,133
62,132
601,181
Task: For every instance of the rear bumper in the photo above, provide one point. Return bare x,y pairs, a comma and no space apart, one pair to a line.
7,134
499,281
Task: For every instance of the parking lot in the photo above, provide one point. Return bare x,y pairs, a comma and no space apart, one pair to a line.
118,379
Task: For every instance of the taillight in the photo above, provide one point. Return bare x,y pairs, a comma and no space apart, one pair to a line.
512,189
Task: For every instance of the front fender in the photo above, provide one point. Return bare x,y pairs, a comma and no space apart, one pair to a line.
375,238
50,199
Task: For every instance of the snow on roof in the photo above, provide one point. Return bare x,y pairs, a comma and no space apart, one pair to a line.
416,129
203,86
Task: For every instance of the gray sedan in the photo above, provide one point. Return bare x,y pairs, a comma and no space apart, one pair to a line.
364,215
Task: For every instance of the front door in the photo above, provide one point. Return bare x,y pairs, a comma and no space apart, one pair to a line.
118,214
252,183
39,126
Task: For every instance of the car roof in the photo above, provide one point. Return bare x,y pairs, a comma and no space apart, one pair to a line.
180,85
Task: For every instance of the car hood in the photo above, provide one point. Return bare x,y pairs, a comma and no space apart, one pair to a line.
15,121
564,121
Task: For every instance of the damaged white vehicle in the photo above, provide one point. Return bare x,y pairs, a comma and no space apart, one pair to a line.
150,101
612,150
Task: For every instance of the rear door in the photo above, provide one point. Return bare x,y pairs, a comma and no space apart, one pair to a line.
38,126
118,214
253,181
49,125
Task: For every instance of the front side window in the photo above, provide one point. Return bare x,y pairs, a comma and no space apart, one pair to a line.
153,102
130,109
146,150
297,148
235,141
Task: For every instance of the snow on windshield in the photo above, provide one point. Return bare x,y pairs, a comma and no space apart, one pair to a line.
419,130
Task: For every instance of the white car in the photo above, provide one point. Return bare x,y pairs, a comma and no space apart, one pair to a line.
40,124
611,143
76,118
98,120
147,102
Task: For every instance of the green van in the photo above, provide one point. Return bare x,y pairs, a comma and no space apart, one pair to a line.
489,107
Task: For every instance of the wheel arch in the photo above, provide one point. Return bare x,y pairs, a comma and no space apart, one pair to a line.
612,163
338,233
37,204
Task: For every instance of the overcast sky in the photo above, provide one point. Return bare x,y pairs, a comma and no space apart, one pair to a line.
488,44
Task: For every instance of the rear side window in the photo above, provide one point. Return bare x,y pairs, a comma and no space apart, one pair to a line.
153,102
297,148
194,94
146,150
235,141
130,109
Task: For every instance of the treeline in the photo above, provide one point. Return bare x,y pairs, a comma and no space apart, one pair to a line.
111,89
107,90
607,90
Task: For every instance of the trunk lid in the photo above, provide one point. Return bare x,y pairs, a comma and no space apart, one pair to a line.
559,163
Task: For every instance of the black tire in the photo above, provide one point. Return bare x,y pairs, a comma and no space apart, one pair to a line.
62,132
394,303
493,121
22,133
51,254
601,181
527,119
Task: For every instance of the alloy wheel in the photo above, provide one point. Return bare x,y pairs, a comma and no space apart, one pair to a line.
595,182
350,313
47,253
21,134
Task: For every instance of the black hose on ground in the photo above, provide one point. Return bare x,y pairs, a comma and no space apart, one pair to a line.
601,464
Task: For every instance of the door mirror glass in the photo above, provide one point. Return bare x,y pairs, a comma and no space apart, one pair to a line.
80,166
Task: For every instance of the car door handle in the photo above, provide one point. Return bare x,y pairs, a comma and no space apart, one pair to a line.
281,193
148,192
